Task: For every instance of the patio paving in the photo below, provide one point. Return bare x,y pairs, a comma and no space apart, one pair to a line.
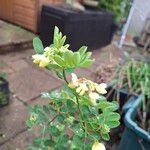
14,37
26,82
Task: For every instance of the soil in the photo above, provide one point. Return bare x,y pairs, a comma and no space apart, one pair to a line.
105,73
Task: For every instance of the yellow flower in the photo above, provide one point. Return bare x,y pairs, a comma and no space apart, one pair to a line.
41,60
101,88
91,85
98,146
74,82
93,97
81,89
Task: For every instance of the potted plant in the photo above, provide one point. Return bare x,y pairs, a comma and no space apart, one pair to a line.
82,27
135,78
78,116
4,90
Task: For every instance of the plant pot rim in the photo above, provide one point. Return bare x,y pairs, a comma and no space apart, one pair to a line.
130,117
61,10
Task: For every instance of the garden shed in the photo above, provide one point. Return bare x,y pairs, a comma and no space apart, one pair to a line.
25,13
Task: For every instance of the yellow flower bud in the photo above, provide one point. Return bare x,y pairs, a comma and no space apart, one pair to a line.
41,60
93,97
98,146
74,77
43,63
81,92
72,85
101,88
78,90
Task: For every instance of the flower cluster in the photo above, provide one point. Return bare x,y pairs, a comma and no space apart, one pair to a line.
48,56
83,86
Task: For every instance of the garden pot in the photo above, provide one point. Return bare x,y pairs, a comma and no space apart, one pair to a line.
123,97
4,92
89,28
134,137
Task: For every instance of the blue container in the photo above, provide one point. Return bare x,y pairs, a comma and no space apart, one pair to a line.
134,137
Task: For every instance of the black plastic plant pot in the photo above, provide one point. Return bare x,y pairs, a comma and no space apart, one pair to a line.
4,92
121,96
89,28
134,137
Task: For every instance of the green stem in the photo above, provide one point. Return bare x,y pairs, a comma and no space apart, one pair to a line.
77,99
64,75
78,104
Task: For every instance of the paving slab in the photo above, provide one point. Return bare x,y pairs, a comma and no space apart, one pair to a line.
14,37
13,126
18,65
13,56
29,83
20,141
4,67
12,119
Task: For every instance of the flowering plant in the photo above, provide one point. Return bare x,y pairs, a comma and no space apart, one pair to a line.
77,117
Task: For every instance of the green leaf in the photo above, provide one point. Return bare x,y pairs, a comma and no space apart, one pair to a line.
82,51
113,124
38,46
105,136
68,57
69,70
76,58
85,111
86,63
56,31
54,130
53,67
107,106
113,116
77,140
63,139
59,60
60,118
49,143
88,55
63,40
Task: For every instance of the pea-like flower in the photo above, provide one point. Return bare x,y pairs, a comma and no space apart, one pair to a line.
98,146
83,85
82,88
101,88
93,97
41,60
74,82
